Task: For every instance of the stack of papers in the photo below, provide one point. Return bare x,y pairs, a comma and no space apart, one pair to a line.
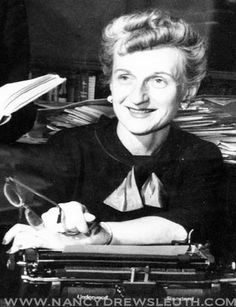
208,118
83,113
228,149
58,116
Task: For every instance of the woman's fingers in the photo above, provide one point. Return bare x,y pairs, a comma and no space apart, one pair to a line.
13,231
23,236
50,217
24,240
73,217
50,220
89,218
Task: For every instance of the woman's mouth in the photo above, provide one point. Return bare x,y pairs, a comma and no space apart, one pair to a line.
140,112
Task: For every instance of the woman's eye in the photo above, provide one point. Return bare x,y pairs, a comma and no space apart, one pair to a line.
124,78
159,82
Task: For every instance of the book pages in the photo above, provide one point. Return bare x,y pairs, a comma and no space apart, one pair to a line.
16,95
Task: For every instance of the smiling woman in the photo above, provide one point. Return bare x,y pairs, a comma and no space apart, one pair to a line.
146,95
137,177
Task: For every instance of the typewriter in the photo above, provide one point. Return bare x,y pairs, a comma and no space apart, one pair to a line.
111,271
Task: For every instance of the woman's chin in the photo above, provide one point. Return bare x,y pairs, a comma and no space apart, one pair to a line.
141,131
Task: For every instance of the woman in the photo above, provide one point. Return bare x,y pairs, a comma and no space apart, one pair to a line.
146,180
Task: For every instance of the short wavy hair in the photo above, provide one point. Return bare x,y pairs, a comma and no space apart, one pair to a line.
153,29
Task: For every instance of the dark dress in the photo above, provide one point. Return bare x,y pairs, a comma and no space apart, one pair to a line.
88,163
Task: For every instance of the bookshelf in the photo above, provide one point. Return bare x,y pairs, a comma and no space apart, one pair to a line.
79,86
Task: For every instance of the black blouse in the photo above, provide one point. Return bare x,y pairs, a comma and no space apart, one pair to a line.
88,163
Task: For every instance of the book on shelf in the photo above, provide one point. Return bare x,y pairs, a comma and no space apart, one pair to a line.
91,87
79,87
84,80
16,95
70,88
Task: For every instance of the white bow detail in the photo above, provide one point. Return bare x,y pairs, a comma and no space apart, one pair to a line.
152,191
127,197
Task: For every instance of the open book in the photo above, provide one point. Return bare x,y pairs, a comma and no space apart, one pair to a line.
14,96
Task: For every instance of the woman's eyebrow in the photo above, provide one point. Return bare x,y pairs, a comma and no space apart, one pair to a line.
163,73
153,73
122,70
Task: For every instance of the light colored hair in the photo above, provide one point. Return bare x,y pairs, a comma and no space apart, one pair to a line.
153,29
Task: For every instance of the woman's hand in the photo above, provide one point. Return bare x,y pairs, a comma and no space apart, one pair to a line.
55,236
24,236
75,218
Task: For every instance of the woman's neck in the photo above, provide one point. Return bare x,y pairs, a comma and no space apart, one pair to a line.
142,145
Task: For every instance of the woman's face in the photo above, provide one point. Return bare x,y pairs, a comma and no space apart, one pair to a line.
144,88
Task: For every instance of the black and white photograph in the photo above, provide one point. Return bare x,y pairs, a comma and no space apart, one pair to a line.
118,153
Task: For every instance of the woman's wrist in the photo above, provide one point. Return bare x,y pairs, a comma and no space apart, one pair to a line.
108,231
100,235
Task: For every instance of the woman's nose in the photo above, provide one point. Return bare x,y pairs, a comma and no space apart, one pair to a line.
139,94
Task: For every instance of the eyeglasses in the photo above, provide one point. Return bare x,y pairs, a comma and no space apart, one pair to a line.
11,191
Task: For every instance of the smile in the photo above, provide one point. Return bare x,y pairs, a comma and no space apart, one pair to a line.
140,112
